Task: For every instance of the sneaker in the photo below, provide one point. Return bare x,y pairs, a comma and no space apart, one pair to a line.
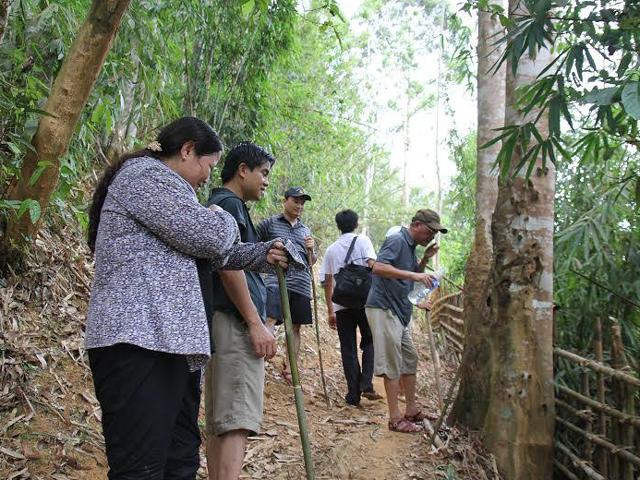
372,395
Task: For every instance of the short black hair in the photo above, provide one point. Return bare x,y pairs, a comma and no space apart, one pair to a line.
347,221
248,153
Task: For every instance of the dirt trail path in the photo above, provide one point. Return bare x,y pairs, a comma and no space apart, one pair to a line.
61,438
348,442
50,419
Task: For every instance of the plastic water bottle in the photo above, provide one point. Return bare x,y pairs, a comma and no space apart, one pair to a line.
420,291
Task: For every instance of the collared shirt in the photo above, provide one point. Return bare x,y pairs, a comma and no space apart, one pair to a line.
278,226
399,251
333,260
213,292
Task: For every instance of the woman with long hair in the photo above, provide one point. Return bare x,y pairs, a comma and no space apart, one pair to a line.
147,334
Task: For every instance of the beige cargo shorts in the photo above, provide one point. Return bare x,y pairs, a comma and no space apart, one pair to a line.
234,379
393,350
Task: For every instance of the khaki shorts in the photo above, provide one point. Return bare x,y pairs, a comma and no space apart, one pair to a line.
393,350
234,380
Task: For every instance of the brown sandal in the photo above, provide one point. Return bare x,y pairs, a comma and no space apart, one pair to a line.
419,417
404,426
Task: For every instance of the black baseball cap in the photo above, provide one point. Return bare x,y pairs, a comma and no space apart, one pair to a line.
297,192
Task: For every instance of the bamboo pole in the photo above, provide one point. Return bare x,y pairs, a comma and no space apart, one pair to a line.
317,322
453,307
586,391
454,331
297,389
582,414
577,462
565,471
441,301
602,457
458,346
458,321
615,449
616,435
625,433
630,407
601,407
434,356
443,413
443,338
598,367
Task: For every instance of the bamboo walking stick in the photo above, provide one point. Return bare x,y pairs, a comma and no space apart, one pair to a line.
447,401
317,322
435,357
297,389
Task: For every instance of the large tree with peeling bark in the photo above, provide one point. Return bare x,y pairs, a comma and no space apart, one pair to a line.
520,415
71,89
471,404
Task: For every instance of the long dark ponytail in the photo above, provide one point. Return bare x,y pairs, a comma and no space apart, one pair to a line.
169,142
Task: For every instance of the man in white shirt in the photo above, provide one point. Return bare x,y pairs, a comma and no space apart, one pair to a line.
348,320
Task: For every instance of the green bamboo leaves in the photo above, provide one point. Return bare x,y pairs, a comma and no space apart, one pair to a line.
592,85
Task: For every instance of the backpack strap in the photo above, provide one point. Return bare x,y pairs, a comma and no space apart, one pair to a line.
353,243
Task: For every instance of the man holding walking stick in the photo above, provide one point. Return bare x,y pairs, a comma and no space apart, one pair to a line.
234,383
287,225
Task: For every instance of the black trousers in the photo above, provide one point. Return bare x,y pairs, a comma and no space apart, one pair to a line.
149,404
358,380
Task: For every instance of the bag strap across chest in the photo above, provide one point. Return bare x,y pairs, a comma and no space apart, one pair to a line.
353,243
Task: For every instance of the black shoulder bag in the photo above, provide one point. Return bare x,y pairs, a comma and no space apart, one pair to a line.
352,283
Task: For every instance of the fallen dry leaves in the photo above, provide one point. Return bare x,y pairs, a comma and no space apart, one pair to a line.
50,418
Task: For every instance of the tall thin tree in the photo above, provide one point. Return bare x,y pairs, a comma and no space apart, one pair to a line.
73,84
520,415
471,403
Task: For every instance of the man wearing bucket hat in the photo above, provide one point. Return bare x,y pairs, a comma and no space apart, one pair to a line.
287,225
389,313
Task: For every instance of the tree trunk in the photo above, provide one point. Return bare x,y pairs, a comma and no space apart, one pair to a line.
520,416
69,94
5,7
407,144
471,404
437,127
368,183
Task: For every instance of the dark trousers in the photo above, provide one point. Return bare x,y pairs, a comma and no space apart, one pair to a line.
149,404
358,380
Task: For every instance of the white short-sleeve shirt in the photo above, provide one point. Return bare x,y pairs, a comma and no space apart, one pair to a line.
333,260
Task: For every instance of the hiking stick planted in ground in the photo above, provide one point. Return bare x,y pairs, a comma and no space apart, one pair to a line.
317,322
434,356
448,401
297,390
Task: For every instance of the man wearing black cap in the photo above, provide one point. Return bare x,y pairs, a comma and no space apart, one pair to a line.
389,313
287,225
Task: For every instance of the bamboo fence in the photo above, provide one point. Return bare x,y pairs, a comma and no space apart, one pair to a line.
597,414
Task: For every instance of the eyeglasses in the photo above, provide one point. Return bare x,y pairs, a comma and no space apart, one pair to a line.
434,232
